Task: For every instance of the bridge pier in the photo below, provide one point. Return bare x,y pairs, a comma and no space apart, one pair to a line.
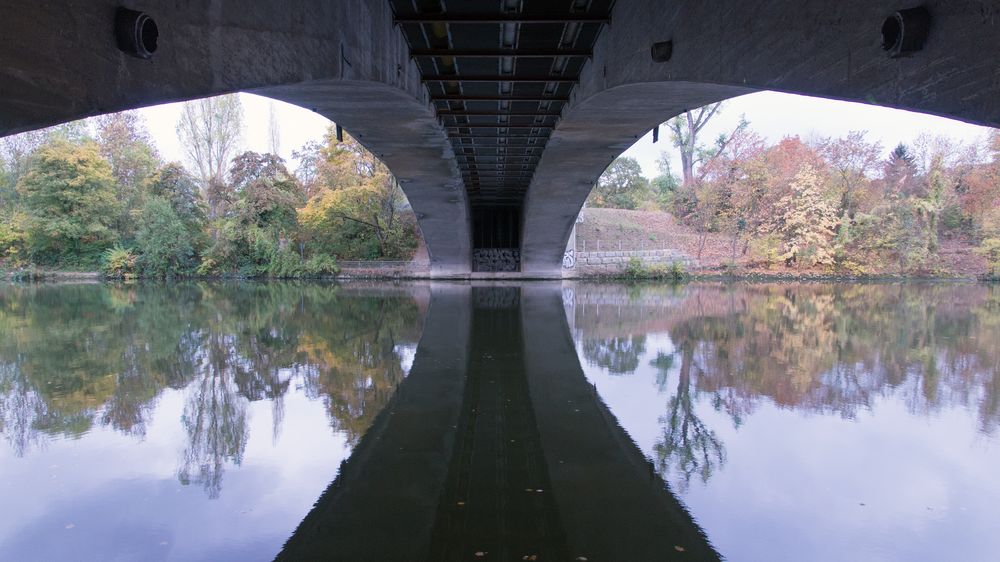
495,443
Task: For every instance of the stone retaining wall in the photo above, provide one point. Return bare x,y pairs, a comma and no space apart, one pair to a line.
363,269
611,261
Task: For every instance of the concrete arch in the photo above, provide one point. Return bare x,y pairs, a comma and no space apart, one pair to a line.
344,60
721,50
589,137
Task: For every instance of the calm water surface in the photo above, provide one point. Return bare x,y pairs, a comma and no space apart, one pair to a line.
765,421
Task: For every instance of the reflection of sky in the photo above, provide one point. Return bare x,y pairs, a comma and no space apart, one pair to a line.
406,352
794,482
108,496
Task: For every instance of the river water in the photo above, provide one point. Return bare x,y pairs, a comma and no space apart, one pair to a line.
249,421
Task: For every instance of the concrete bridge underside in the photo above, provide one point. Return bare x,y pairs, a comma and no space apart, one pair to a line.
436,122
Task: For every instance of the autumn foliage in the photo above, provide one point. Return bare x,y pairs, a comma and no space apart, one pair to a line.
840,205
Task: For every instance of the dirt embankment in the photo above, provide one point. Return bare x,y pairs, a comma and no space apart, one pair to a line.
620,229
614,229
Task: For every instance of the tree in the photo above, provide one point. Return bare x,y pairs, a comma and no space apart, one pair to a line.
899,172
69,196
273,129
267,194
664,186
685,129
125,143
334,164
806,222
163,241
173,183
15,158
621,186
210,130
740,174
360,222
853,160
356,209
254,235
16,152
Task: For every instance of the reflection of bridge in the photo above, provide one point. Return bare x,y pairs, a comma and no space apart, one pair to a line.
525,102
496,444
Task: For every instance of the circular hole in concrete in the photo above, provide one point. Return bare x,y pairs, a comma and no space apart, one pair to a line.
148,34
892,32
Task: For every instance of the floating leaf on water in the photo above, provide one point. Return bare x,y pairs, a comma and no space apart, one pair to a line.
679,548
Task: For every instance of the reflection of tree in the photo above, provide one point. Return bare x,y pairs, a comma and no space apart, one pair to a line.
835,349
360,367
687,445
20,407
830,348
987,319
215,418
619,355
72,357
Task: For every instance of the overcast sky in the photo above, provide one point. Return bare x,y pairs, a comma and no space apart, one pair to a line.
771,114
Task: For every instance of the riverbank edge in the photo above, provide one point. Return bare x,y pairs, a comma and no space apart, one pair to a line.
791,277
57,276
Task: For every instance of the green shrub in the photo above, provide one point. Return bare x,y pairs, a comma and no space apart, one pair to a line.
283,264
163,241
636,269
208,266
990,249
321,266
954,220
119,263
676,270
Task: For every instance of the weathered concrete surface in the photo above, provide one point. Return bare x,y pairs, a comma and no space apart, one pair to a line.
725,49
59,61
